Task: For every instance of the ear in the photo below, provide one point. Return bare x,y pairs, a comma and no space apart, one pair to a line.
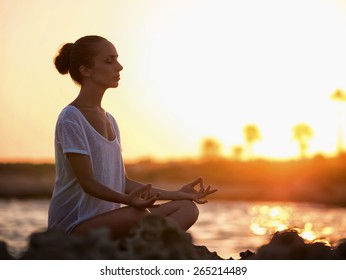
84,71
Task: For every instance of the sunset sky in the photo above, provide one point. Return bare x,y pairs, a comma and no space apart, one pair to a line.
192,69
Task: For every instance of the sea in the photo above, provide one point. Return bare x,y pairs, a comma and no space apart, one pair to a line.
225,227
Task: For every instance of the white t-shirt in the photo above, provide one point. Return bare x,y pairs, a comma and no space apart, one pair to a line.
73,134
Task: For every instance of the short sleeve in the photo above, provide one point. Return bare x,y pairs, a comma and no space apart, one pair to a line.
71,138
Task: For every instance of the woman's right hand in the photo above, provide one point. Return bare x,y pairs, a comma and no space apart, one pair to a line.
141,197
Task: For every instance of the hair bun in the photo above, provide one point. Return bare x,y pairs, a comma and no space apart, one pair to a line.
62,59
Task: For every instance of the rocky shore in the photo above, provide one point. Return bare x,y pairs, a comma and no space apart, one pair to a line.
156,238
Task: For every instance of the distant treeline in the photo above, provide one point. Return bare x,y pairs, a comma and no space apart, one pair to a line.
23,180
321,180
311,180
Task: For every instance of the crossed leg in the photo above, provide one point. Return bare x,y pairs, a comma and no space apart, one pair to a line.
120,221
182,212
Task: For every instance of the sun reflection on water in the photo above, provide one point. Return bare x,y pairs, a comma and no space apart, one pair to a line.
270,219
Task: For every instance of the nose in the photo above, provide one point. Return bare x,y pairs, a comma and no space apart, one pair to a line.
119,67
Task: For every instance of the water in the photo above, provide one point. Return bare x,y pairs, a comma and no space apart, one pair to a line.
225,227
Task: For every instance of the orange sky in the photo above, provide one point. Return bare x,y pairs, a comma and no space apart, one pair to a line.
192,69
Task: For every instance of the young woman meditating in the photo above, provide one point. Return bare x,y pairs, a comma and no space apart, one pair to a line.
92,189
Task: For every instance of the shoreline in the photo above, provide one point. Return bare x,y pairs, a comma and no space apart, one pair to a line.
319,180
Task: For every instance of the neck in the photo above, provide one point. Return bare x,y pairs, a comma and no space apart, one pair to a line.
89,97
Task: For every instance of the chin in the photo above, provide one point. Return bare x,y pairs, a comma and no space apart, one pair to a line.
115,85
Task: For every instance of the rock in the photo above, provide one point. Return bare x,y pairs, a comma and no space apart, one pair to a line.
340,250
4,254
318,251
284,245
288,245
156,238
203,253
246,255
54,244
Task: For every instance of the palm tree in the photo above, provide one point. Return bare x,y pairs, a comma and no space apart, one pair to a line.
251,134
340,97
302,133
211,149
237,152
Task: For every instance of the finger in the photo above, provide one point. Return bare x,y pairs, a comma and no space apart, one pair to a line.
206,191
201,186
209,192
150,202
140,204
203,192
155,206
199,201
195,182
147,192
212,191
152,199
138,191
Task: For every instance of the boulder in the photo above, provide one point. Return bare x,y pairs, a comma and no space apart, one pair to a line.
289,245
154,238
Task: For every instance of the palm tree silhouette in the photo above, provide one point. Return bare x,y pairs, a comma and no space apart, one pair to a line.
302,133
237,152
251,135
340,97
211,149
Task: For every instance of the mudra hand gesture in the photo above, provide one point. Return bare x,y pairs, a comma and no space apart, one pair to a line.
188,191
142,197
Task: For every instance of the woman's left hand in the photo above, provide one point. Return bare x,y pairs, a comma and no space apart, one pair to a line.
188,191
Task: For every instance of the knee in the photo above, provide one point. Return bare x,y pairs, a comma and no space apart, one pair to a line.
191,209
136,215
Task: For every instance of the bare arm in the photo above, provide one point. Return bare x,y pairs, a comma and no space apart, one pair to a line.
187,191
161,193
82,168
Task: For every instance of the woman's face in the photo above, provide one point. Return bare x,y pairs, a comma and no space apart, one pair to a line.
106,69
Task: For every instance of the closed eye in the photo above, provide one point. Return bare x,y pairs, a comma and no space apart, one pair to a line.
110,59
